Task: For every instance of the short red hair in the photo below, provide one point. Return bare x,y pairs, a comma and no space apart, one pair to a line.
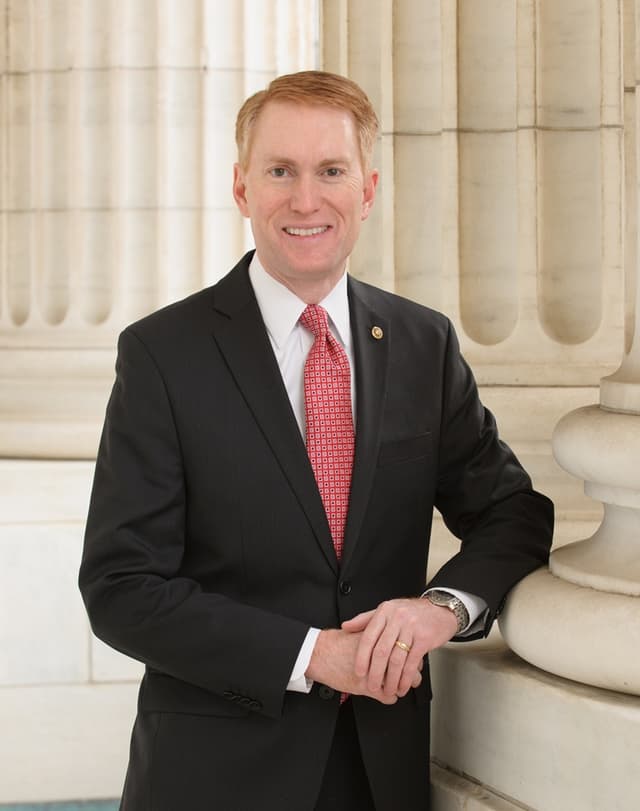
314,88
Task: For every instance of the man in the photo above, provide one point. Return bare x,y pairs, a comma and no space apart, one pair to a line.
264,560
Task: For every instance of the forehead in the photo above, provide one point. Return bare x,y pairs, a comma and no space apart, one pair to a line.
305,129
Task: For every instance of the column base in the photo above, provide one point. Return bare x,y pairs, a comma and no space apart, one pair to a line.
512,736
579,633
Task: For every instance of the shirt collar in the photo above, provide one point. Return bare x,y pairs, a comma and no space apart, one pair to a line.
281,308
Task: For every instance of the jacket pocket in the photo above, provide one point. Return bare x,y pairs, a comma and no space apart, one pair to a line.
407,449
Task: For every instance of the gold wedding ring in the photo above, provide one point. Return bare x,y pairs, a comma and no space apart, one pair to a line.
403,646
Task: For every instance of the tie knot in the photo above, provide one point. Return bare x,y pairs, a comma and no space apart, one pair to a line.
314,318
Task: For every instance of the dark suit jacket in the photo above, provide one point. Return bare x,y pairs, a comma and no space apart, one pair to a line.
208,554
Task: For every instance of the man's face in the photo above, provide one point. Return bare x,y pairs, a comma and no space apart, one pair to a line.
305,191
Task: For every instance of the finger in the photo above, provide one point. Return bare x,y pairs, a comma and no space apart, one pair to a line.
357,623
380,695
368,641
387,659
413,664
395,669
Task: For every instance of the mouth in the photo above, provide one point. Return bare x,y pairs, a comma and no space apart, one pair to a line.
306,232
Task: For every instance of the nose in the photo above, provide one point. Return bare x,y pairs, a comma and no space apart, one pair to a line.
305,195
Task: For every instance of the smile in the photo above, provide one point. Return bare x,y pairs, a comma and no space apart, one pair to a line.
306,232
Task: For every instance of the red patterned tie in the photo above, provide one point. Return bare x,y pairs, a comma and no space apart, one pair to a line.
330,437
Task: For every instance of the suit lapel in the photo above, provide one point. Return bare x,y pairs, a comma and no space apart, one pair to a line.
371,353
242,338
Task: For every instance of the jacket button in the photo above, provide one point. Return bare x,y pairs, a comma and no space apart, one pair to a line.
326,692
345,587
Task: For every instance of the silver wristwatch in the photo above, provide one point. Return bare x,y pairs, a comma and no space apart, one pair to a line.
451,602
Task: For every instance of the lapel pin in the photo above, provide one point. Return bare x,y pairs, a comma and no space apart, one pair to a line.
377,332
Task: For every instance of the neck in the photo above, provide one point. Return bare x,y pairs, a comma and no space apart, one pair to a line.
311,290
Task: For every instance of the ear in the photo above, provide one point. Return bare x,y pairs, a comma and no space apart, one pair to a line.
240,189
369,192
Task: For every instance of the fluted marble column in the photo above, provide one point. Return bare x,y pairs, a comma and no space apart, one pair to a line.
501,159
503,182
500,200
502,153
116,154
581,619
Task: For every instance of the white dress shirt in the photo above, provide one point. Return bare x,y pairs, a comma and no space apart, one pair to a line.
291,342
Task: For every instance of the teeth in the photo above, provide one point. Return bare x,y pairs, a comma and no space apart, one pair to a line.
306,232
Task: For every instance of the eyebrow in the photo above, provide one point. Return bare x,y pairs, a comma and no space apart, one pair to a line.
327,162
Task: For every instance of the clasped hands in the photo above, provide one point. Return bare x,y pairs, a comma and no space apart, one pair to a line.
379,653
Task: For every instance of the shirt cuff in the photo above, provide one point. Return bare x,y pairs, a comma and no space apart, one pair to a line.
298,682
475,605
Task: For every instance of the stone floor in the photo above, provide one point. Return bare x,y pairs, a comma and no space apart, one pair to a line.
94,805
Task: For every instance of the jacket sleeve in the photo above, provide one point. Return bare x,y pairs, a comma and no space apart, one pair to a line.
485,497
130,577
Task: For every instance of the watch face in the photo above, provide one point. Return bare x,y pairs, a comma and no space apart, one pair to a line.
453,603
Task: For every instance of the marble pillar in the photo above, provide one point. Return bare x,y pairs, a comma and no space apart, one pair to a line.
501,165
116,155
500,196
507,150
581,618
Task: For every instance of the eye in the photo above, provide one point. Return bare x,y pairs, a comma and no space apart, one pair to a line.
278,171
333,171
